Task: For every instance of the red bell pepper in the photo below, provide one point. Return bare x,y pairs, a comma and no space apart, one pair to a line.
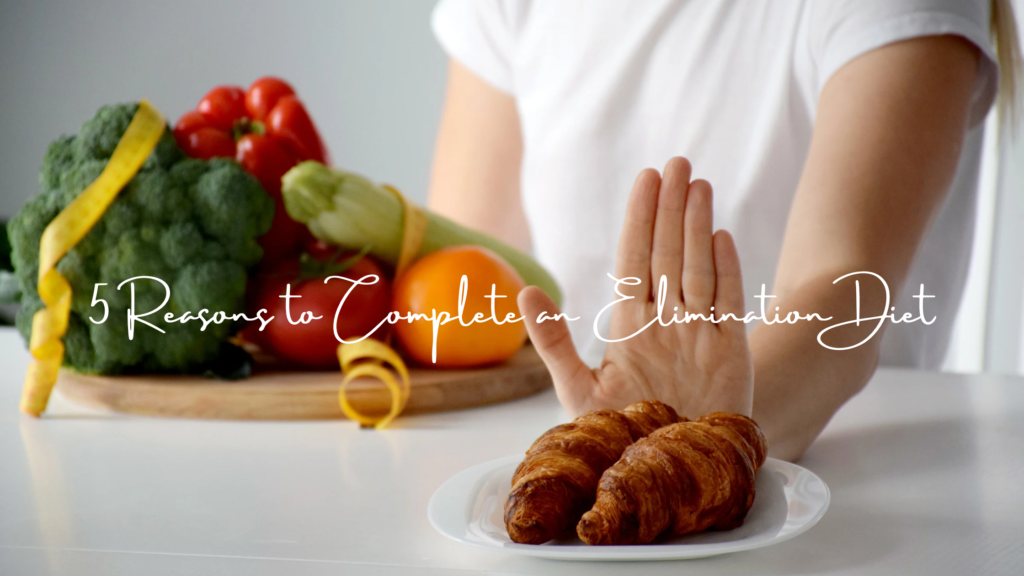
267,130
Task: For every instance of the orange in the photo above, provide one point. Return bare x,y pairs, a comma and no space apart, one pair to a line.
432,284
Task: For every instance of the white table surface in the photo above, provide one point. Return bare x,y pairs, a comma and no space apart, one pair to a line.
926,472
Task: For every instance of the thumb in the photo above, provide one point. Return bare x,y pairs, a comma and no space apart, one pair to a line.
552,340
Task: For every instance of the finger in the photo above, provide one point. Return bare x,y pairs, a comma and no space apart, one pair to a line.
729,281
634,253
554,345
698,258
667,252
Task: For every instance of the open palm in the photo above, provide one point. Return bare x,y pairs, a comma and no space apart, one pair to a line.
696,367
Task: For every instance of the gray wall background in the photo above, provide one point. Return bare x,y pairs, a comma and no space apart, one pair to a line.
369,71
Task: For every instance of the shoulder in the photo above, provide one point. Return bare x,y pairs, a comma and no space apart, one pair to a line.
839,31
481,35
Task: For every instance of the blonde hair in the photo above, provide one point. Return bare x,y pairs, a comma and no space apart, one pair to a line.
1004,32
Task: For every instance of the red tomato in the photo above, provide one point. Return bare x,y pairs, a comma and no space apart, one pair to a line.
313,345
222,106
263,95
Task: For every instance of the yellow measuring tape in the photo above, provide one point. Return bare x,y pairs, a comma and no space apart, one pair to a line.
414,228
364,359
367,358
73,223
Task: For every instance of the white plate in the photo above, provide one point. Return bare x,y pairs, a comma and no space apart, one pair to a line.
468,508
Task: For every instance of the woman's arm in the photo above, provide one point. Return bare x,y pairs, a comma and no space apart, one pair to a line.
886,143
475,179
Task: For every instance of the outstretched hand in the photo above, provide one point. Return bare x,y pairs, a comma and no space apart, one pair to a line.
696,367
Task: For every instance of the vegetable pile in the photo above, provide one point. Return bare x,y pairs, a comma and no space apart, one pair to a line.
193,223
237,213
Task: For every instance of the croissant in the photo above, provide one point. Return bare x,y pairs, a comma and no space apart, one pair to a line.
686,478
556,482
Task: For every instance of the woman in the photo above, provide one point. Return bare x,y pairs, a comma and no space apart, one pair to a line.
840,135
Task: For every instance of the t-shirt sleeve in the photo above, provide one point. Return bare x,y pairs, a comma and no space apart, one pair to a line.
842,30
480,35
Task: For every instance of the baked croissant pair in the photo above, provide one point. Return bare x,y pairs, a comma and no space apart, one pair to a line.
626,477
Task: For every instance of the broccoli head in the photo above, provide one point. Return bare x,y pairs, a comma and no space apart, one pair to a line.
192,223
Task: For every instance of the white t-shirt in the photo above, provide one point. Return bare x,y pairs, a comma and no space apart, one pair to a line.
605,88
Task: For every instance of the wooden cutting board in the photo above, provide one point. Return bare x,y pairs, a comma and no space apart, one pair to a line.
304,395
